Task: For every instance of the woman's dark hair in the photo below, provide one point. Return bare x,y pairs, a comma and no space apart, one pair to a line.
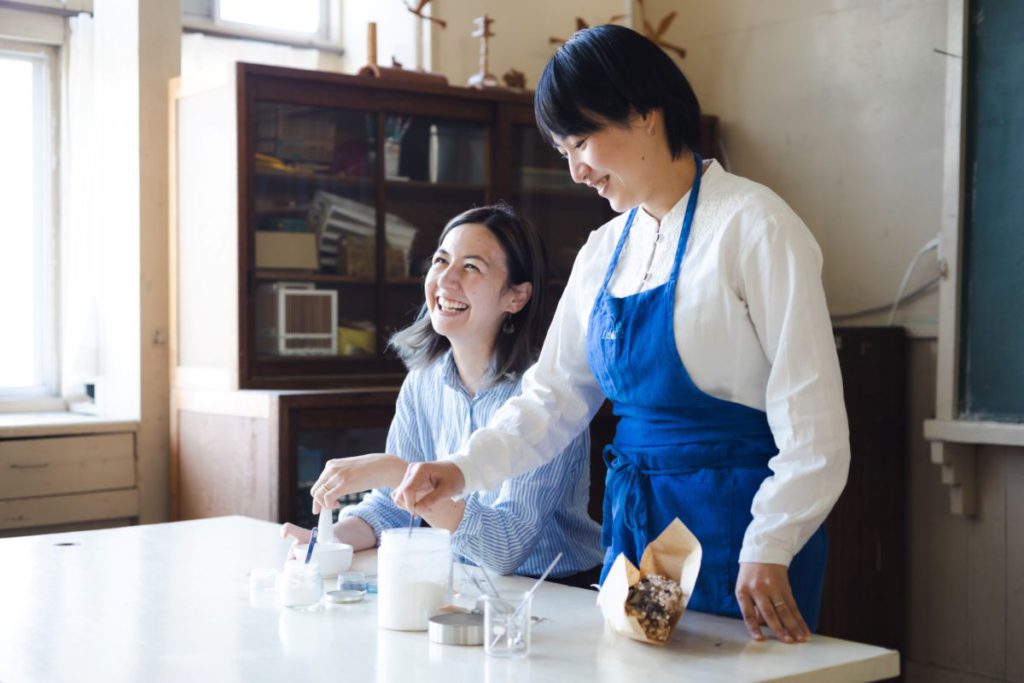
418,345
606,74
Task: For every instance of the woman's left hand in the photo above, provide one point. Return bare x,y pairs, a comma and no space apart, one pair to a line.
766,598
342,476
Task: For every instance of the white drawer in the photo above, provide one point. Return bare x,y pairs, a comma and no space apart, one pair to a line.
61,465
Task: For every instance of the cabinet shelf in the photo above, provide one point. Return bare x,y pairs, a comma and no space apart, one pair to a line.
393,184
265,275
336,179
282,211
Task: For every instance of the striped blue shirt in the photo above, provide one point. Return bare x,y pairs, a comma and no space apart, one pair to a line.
520,527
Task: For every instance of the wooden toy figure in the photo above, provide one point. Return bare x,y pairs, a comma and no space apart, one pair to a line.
483,78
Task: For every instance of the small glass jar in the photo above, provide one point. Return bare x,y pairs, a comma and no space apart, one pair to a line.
301,585
352,581
507,624
413,567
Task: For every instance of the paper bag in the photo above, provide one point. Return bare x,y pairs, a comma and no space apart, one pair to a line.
676,553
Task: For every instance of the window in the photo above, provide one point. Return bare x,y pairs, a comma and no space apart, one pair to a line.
28,256
295,16
303,23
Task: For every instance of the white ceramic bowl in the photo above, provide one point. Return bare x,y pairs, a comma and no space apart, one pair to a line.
332,557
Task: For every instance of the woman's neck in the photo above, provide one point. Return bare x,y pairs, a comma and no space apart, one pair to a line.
670,185
473,362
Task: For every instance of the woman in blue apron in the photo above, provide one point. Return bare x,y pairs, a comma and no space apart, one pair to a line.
700,314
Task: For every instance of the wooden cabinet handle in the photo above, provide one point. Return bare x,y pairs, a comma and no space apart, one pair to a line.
16,466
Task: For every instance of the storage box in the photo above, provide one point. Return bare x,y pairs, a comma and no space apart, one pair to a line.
295,319
357,338
356,258
291,250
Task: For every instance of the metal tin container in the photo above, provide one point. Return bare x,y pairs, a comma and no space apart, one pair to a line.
457,628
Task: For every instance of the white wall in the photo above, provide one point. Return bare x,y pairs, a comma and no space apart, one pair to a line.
521,31
838,107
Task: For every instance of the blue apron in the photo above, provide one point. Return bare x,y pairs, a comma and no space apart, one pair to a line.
679,452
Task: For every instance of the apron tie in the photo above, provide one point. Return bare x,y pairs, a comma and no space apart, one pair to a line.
625,480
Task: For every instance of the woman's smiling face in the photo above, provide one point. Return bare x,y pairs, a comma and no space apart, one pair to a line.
612,160
466,288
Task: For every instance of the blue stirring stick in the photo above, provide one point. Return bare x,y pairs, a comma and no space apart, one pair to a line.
312,542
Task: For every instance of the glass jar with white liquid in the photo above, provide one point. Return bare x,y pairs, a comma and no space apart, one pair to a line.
413,570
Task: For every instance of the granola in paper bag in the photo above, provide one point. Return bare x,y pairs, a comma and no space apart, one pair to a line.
645,604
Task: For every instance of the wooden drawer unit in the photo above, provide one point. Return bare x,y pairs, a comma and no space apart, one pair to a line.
56,480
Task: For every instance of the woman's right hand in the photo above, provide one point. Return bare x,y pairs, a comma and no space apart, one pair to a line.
426,483
342,476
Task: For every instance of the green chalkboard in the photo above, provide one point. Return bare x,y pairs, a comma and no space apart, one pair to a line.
992,303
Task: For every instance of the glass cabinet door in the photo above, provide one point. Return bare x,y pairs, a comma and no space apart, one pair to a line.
434,169
315,427
544,192
346,210
314,222
315,447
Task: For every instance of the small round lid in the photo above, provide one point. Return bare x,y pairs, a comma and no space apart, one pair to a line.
345,596
457,628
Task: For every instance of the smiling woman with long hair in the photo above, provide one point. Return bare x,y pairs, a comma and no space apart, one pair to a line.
478,330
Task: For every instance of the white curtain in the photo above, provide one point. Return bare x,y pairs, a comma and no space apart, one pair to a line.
81,228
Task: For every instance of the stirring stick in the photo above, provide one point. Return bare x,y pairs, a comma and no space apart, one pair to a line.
312,542
538,583
412,519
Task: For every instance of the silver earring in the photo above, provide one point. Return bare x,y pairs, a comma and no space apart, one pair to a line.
508,327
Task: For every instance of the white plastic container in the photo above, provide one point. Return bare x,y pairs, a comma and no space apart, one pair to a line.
413,571
301,585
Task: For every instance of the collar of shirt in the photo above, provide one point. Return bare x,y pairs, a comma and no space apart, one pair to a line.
449,374
675,215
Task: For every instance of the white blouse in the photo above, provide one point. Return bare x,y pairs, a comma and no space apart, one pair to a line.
751,326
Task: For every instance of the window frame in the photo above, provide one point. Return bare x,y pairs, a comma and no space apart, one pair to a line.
47,395
327,39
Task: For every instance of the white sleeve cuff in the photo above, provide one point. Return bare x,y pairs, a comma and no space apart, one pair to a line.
766,555
469,473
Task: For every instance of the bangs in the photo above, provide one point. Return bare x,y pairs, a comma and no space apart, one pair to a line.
567,102
557,107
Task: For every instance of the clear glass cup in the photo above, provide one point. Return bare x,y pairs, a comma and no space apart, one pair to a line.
262,587
301,585
507,624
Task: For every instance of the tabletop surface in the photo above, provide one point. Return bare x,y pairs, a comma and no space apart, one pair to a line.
170,602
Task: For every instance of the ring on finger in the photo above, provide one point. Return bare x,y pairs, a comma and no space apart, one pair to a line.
778,604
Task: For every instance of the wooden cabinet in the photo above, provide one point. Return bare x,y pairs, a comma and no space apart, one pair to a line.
66,476
309,203
865,583
257,452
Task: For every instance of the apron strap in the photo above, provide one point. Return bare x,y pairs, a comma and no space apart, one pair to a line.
691,209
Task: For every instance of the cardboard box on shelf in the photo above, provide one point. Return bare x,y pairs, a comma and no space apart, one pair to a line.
289,250
356,258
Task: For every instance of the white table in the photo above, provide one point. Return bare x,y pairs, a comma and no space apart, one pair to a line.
170,602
